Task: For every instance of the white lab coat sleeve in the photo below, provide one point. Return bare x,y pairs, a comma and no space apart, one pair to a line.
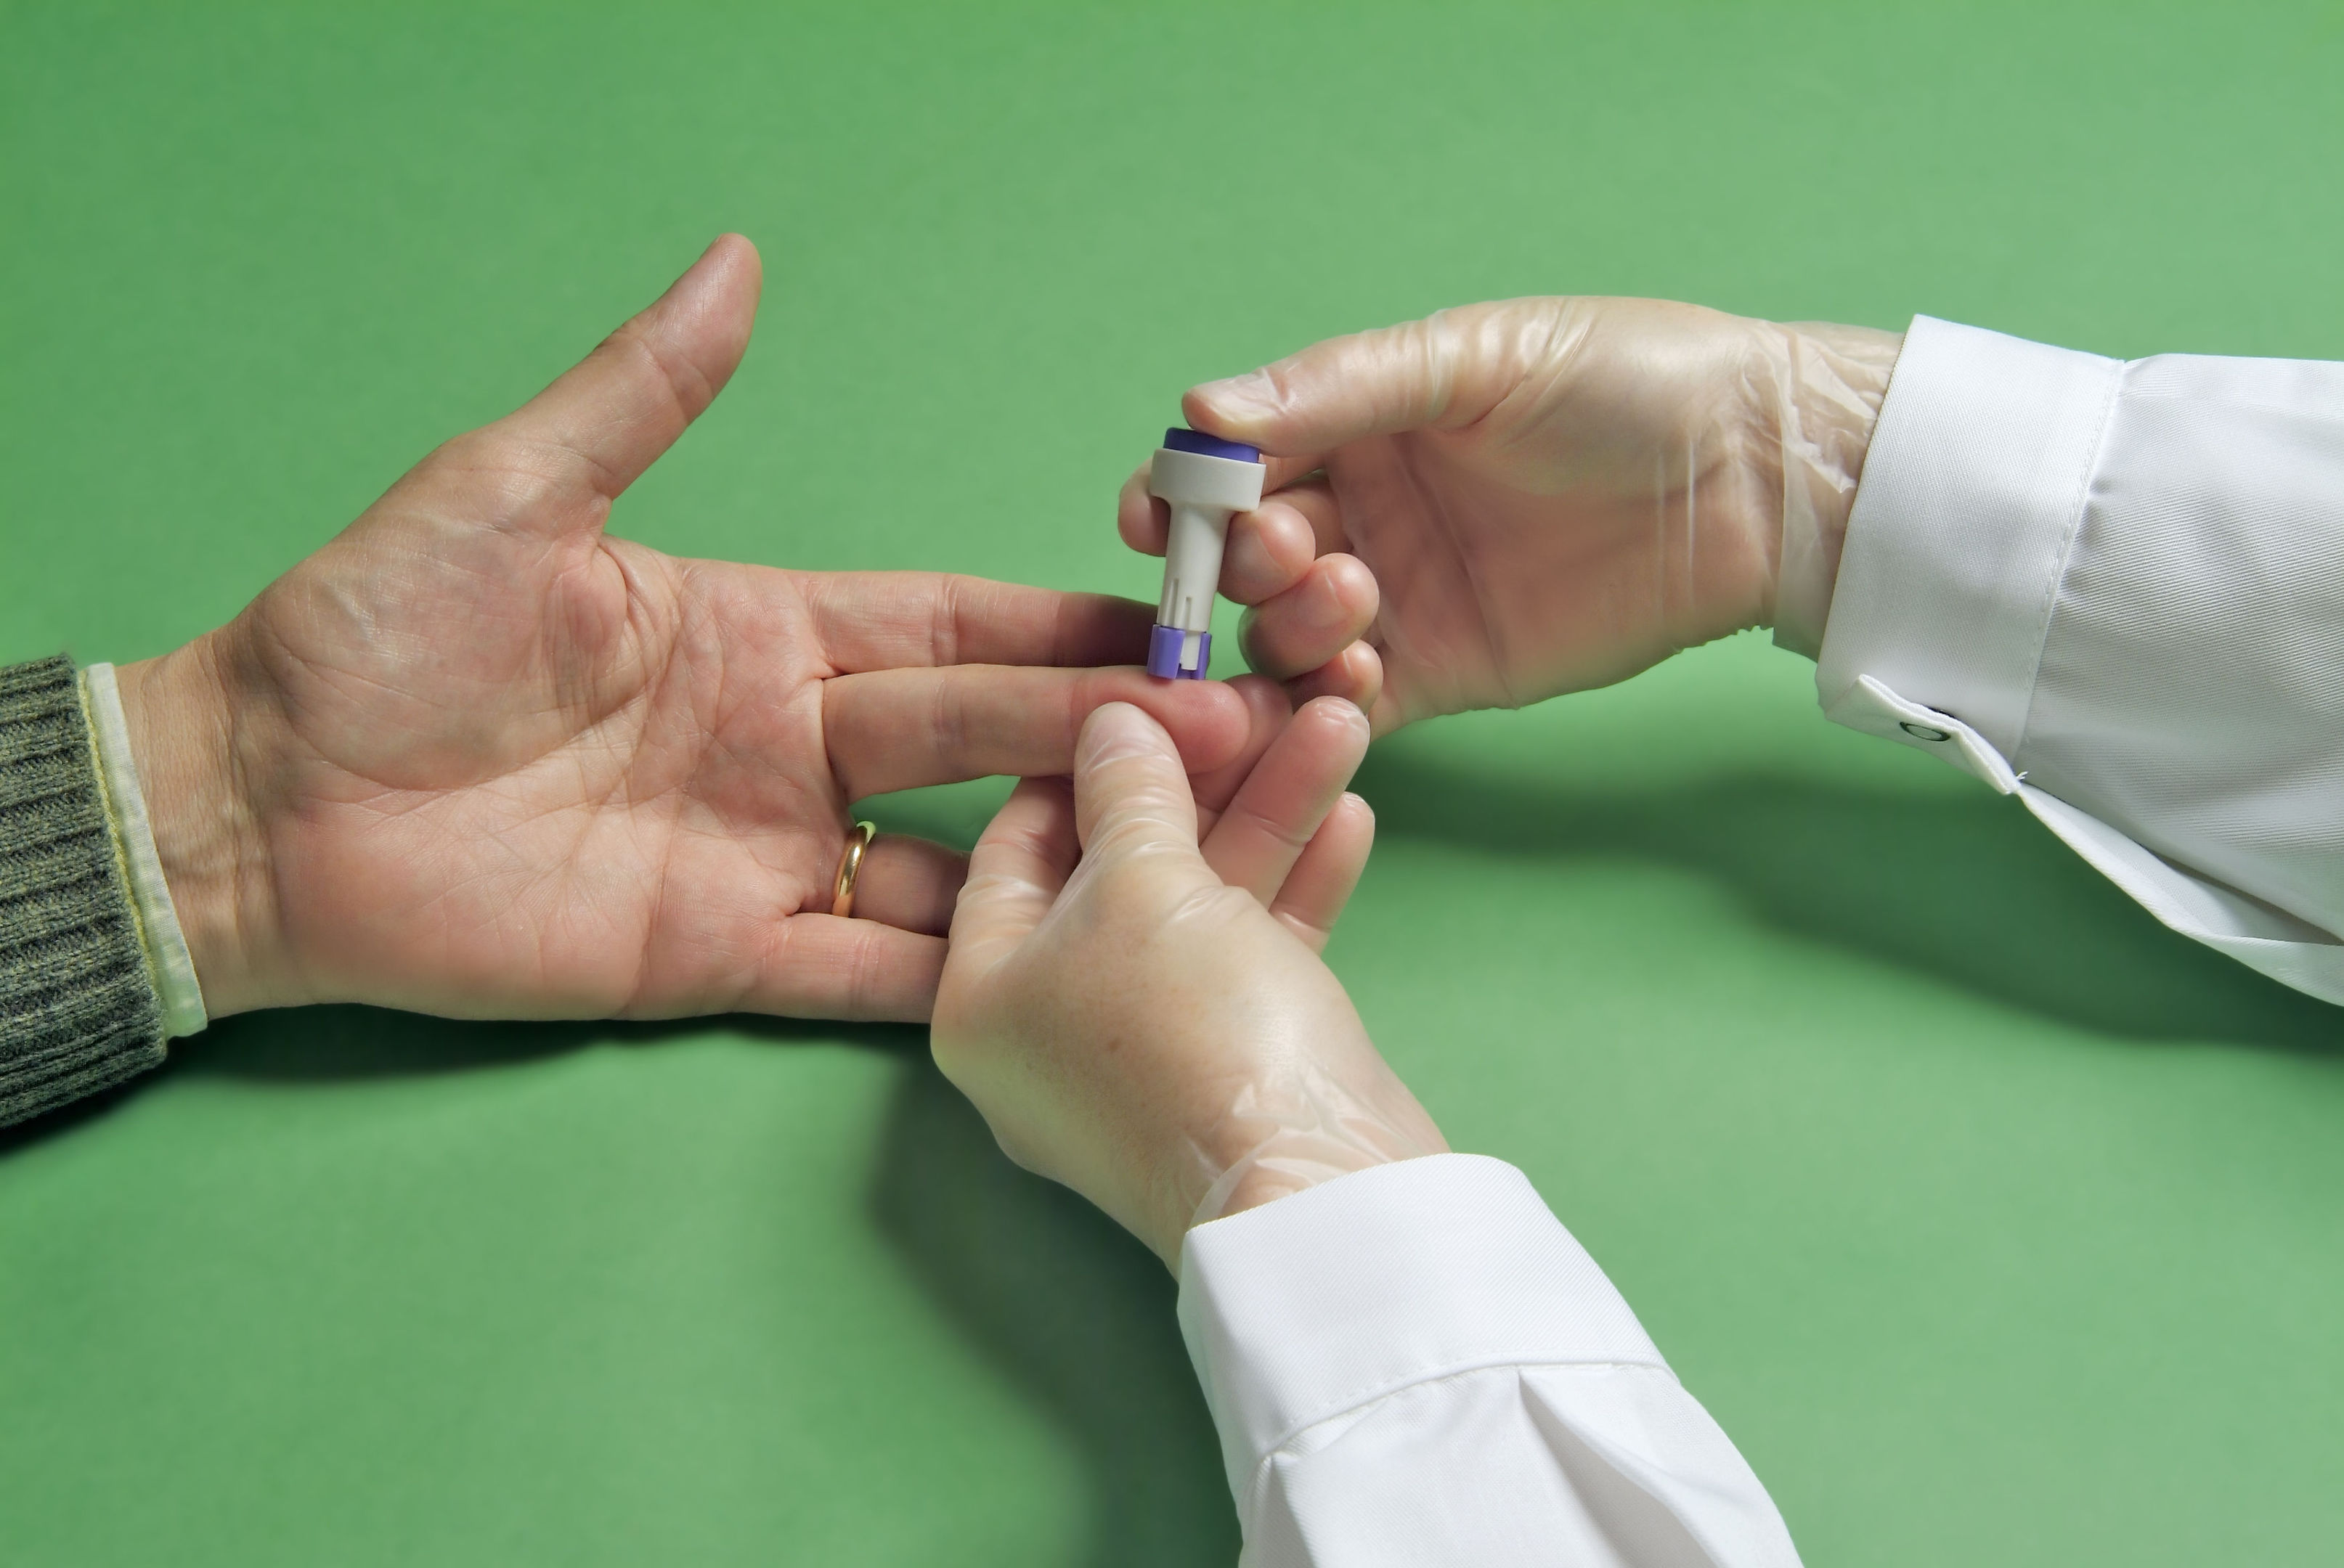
2116,590
1416,1364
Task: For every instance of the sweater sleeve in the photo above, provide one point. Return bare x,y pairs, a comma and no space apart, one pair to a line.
78,1010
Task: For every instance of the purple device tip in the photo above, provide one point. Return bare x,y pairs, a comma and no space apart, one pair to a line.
1206,446
1164,645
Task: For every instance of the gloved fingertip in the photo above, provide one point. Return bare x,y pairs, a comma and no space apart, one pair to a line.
1340,714
1115,731
1239,406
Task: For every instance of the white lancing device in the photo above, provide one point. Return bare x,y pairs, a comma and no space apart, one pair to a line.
1204,479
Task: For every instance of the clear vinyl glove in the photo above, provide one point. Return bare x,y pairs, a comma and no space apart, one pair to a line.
1508,501
1134,996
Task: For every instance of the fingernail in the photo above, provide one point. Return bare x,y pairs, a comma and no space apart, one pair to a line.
1325,610
1343,710
1252,393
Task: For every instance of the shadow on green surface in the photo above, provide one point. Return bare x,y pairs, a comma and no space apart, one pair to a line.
1968,889
1077,1314
1073,1310
346,1044
364,1042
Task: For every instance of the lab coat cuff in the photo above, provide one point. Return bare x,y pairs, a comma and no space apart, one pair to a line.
1960,532
1336,1296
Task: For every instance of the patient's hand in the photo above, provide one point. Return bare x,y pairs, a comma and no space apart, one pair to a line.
475,756
1133,996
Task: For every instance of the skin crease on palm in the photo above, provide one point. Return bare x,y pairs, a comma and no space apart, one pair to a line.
477,758
1508,501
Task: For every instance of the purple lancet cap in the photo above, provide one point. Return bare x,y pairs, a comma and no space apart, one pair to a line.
1164,645
1206,446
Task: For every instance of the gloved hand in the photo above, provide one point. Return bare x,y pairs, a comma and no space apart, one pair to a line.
1134,996
476,757
1513,501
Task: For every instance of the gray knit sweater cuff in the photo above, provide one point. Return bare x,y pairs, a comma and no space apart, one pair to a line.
78,1010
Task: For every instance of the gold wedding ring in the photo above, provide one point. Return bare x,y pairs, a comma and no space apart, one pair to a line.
850,867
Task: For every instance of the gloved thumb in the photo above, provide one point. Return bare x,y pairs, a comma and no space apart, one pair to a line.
1447,370
1130,793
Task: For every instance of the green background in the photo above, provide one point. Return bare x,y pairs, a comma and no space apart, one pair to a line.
1996,1224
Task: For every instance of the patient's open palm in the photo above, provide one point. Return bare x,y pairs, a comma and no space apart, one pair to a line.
488,760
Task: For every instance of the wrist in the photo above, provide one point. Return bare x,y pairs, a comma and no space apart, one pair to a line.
1315,1131
1285,1167
183,730
1830,382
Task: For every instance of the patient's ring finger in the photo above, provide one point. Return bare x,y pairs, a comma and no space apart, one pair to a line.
897,879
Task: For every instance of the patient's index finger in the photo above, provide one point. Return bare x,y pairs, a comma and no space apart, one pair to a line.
904,729
888,621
